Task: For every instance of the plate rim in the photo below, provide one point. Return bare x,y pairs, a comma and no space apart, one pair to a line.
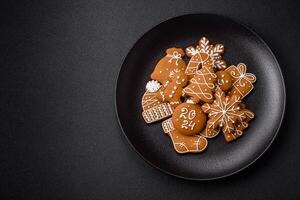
283,96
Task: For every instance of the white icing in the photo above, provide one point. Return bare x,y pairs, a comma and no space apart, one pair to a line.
241,78
190,101
188,116
175,56
186,124
153,86
183,113
173,72
225,111
197,56
199,81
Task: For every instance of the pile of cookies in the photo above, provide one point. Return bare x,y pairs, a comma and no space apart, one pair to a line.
198,100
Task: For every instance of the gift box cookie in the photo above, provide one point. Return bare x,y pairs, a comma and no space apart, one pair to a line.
242,81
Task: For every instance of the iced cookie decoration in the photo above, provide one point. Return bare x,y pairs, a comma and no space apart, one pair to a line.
200,100
202,85
242,81
153,109
153,86
203,54
184,143
224,80
210,132
240,126
224,112
173,91
168,64
189,119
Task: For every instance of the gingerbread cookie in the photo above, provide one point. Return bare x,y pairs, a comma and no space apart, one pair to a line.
224,80
168,65
210,132
173,91
201,87
153,109
224,112
189,119
184,143
240,126
242,81
203,54
204,81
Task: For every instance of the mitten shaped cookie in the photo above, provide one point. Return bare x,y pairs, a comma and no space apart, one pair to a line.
168,65
242,81
184,143
204,54
189,119
224,112
202,85
173,91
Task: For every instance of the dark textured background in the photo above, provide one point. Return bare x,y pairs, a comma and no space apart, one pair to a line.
59,135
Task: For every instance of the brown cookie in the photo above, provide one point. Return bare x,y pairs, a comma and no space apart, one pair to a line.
201,87
240,126
173,91
184,143
153,109
242,81
224,80
189,119
168,65
224,112
204,54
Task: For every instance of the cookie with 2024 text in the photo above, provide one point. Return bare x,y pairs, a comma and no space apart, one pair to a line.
188,118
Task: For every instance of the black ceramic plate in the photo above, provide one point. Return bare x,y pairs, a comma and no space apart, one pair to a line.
220,159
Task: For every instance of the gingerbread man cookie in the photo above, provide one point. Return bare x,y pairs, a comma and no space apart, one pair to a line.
224,80
168,65
203,54
224,112
184,143
173,91
189,119
201,87
242,81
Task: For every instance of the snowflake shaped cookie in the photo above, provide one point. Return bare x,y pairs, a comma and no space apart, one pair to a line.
224,112
204,54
